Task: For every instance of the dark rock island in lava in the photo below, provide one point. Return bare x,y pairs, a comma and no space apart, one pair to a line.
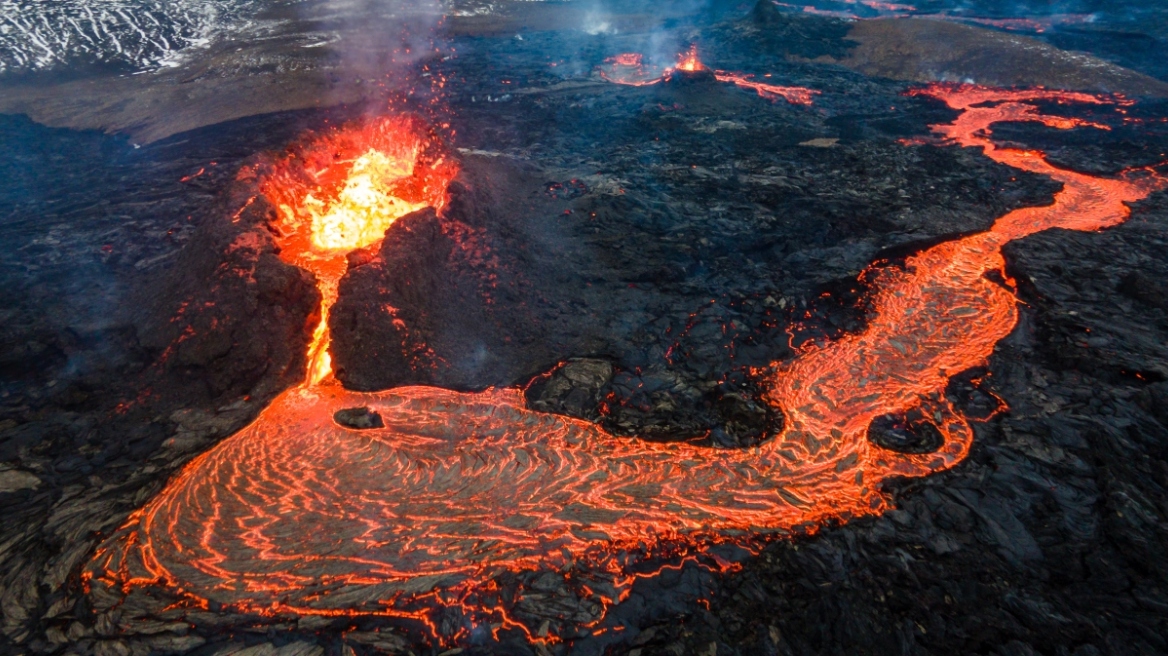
583,328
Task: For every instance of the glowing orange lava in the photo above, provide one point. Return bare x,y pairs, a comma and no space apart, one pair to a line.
341,192
941,314
689,61
298,514
630,69
793,95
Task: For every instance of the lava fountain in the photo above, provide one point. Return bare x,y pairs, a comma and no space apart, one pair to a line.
689,62
630,69
453,492
341,192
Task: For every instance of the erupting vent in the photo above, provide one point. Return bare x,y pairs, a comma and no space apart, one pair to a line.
342,191
689,62
435,509
630,69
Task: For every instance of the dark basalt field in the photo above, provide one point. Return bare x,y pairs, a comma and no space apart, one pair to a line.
634,256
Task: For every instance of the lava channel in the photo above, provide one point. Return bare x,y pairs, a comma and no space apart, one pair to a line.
299,515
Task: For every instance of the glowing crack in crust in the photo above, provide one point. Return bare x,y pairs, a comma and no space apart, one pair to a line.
297,514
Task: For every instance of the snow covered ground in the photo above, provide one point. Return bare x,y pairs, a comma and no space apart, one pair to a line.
37,35
143,35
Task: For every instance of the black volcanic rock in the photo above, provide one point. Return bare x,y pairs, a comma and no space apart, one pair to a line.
770,30
695,251
700,77
744,419
674,257
765,12
905,434
359,418
230,312
1143,288
384,343
574,388
1155,400
1109,320
141,325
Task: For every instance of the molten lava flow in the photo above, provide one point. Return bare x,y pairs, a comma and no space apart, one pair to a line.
941,314
341,192
298,514
630,69
793,95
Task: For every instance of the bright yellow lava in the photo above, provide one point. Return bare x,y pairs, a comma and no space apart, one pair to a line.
366,206
341,192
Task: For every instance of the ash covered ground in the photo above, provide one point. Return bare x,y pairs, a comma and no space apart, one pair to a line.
627,254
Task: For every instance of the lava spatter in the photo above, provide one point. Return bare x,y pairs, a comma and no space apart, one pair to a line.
296,514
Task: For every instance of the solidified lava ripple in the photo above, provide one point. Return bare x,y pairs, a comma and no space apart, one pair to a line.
297,514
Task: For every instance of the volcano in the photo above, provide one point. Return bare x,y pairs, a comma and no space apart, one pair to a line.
587,332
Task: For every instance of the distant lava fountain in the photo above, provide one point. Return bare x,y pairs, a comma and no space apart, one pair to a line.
689,62
452,492
630,69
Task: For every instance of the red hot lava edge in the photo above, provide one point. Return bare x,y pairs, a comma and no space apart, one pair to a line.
296,515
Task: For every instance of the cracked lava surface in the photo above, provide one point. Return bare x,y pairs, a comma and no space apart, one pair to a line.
298,514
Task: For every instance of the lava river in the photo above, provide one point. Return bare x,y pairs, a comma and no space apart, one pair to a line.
298,514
